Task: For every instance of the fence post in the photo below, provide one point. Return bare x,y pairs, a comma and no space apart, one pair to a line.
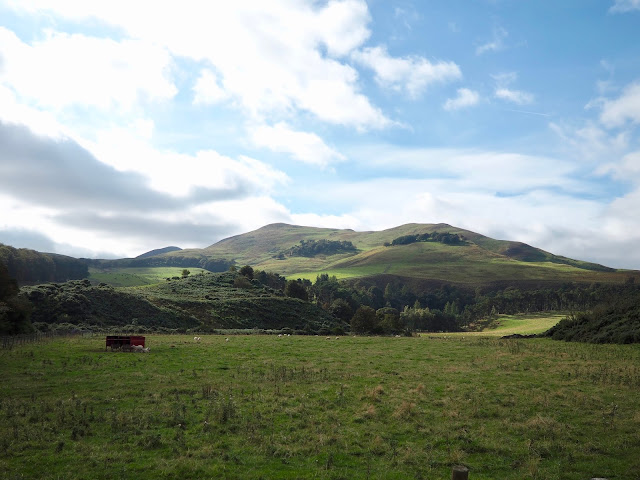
460,472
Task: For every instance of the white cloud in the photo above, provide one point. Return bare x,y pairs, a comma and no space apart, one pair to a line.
495,44
465,98
621,6
503,92
412,74
491,172
616,113
589,142
327,221
515,96
505,79
207,91
626,170
436,200
41,123
89,194
178,173
342,26
303,146
65,70
284,57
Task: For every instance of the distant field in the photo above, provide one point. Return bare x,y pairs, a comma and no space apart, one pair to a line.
308,407
134,277
524,324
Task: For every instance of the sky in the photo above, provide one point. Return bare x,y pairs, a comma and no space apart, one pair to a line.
130,126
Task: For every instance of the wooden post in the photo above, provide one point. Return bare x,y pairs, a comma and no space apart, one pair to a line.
460,472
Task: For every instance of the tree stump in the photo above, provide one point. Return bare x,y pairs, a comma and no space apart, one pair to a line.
460,472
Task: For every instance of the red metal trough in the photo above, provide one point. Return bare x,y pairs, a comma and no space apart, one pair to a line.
117,342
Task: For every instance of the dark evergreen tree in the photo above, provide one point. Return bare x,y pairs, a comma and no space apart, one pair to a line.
14,311
295,289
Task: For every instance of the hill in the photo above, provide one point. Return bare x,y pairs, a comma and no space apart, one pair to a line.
159,251
433,277
204,303
476,260
29,266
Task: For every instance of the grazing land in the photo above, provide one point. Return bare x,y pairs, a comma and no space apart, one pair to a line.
309,407
136,276
523,324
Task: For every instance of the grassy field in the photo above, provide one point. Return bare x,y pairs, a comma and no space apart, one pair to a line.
523,324
459,264
308,407
135,277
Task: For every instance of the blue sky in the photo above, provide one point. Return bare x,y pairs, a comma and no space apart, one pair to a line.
129,126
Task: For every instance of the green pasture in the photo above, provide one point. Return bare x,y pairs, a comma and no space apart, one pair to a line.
502,325
458,264
523,324
297,407
137,276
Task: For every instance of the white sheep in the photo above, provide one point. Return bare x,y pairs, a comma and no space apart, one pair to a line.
280,336
226,339
196,339
146,350
137,348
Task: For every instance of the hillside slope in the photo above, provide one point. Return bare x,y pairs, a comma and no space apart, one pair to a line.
617,320
159,251
202,302
476,260
29,266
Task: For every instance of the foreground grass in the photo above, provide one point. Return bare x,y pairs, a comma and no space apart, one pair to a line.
308,407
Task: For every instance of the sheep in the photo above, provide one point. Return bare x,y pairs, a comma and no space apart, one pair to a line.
196,339
226,339
137,348
280,336
146,350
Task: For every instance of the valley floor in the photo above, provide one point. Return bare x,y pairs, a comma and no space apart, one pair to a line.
315,407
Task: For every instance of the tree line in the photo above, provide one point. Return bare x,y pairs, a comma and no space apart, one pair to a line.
311,248
14,311
441,237
398,308
28,266
206,263
615,319
366,308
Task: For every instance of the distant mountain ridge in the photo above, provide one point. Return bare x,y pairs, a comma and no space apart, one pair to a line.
457,276
477,260
159,251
